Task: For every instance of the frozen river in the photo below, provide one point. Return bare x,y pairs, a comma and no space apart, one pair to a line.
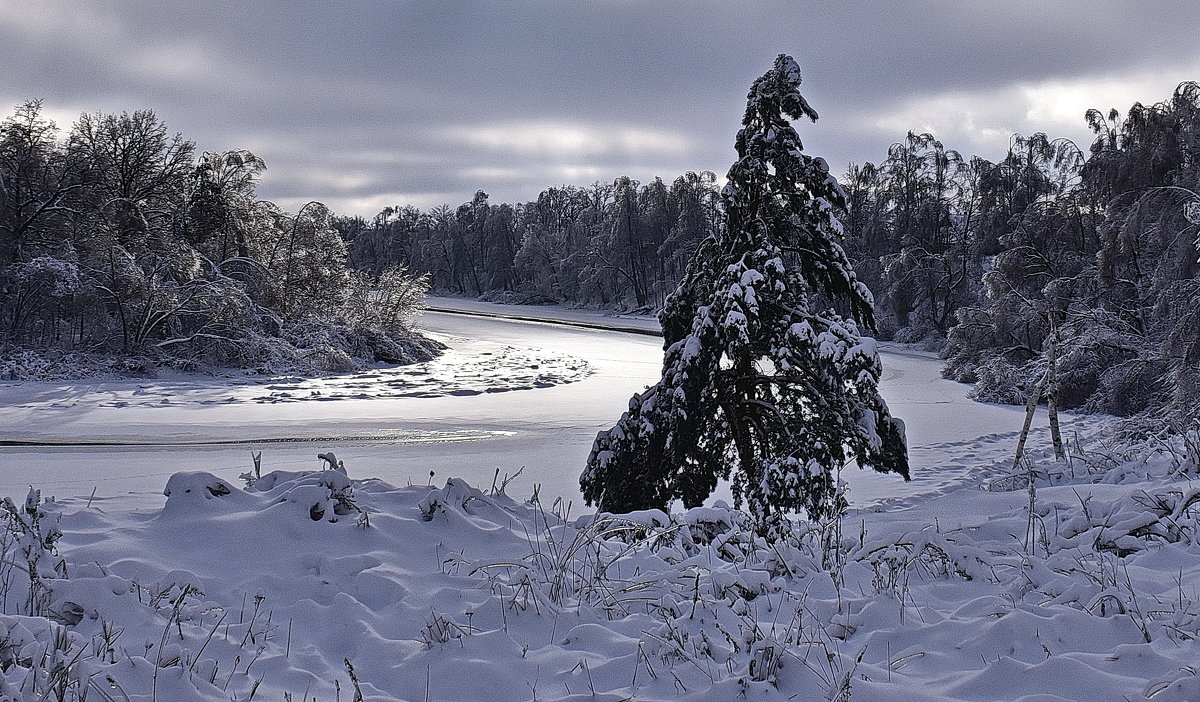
509,396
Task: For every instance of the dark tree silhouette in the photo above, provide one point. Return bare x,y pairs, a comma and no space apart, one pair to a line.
765,376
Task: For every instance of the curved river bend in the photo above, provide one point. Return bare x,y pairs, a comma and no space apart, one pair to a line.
463,419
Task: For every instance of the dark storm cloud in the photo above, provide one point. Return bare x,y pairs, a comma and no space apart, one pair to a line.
365,104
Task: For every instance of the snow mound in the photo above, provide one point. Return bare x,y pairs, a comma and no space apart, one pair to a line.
317,584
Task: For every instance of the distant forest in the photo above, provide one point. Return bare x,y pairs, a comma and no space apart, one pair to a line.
118,239
1055,259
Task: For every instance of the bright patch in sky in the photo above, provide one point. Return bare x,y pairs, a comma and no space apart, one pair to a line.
179,61
978,117
565,140
341,180
1065,101
981,122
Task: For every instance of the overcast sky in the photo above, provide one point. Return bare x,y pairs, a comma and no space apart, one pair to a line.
366,104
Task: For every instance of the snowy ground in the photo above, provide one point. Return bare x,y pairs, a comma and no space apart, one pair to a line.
934,590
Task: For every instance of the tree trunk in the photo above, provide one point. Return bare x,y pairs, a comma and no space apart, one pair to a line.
1030,407
1052,397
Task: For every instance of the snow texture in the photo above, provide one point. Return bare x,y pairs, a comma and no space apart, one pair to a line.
958,586
1078,593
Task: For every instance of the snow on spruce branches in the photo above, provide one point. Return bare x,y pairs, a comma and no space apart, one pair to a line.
765,377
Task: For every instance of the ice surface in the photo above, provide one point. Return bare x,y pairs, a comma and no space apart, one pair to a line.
510,395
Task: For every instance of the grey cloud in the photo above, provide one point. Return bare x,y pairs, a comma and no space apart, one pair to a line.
355,102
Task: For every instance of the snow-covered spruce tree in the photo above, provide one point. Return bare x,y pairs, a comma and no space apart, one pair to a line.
765,376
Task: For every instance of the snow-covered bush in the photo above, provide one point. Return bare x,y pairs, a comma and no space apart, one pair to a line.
1128,388
31,562
57,364
184,273
998,380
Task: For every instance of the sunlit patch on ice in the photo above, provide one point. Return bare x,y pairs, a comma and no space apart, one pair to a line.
480,368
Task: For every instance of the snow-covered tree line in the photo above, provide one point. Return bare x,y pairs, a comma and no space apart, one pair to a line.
118,240
986,260
619,244
1090,269
1051,258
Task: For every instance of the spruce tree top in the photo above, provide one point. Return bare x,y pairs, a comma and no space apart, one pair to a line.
786,190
